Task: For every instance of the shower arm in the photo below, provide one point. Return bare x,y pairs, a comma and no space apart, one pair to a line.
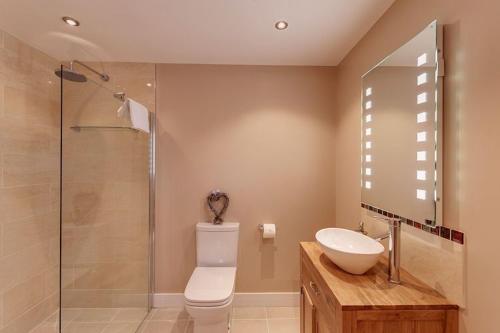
103,76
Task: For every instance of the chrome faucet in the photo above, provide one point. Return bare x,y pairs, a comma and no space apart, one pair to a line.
394,236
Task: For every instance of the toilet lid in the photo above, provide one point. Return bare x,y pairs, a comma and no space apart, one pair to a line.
210,286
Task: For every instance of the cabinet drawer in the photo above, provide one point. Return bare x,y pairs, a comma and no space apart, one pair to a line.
318,292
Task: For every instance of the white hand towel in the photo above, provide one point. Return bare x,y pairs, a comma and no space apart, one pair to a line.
139,115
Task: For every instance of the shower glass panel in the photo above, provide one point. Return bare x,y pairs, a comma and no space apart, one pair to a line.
105,212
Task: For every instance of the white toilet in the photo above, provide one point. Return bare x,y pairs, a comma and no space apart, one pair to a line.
209,293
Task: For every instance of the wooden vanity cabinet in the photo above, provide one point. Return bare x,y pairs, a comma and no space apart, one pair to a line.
333,301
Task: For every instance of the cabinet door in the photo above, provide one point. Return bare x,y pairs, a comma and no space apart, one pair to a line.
322,325
307,313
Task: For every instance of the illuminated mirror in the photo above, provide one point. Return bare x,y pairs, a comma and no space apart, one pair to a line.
401,131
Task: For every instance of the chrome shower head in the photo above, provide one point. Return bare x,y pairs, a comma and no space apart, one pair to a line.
70,75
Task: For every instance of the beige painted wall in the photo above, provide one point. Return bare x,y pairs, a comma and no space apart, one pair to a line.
29,186
263,134
471,121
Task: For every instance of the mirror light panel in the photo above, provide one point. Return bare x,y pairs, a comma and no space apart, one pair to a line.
421,155
421,136
421,194
421,117
422,79
422,60
422,98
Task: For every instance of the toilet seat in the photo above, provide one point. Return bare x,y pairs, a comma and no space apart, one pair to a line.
209,305
210,286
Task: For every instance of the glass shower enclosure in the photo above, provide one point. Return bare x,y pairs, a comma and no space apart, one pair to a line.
107,204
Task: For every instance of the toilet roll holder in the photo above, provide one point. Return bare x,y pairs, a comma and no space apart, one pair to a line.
267,234
261,226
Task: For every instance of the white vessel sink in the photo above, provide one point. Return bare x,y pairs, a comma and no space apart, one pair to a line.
350,250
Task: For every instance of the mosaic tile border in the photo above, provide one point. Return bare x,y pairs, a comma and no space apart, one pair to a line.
444,232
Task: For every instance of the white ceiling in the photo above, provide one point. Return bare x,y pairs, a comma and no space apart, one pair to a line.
320,32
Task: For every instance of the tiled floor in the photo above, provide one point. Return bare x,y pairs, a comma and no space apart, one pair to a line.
171,320
244,320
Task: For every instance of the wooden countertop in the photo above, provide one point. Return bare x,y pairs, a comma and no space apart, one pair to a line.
372,290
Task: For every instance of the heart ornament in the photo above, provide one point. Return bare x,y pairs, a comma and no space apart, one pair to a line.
218,202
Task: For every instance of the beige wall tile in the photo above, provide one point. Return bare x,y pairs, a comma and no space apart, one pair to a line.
46,327
108,298
24,233
96,315
29,169
1,239
21,297
51,281
90,203
24,202
23,264
434,260
130,299
2,85
27,105
33,317
68,277
69,314
1,311
125,275
26,138
29,141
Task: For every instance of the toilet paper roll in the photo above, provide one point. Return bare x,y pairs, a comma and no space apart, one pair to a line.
268,230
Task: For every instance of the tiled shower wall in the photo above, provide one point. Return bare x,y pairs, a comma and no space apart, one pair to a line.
29,185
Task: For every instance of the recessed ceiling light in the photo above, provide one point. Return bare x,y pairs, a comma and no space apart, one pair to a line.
71,21
149,84
281,25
